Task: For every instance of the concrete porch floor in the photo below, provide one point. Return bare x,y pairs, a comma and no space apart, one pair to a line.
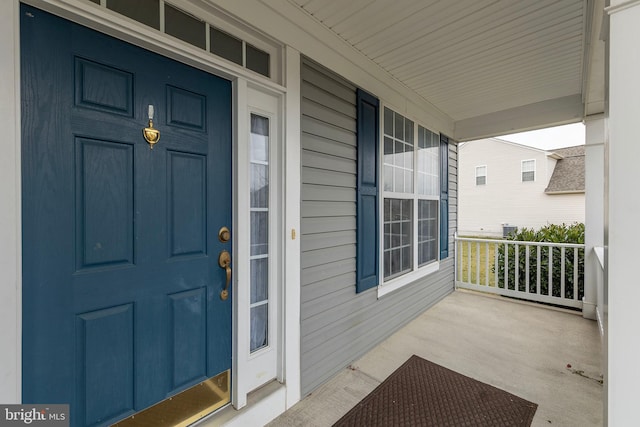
519,347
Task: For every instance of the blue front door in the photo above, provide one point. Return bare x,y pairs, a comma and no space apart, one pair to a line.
121,282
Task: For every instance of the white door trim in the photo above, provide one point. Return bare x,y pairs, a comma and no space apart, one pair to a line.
292,202
10,206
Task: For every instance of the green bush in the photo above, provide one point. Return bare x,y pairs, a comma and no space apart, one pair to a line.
551,233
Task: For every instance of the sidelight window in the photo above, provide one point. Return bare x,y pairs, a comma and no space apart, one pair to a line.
259,207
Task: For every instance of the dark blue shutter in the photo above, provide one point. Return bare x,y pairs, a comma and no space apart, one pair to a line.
367,239
444,197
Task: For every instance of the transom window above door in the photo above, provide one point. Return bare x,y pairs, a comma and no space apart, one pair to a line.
223,39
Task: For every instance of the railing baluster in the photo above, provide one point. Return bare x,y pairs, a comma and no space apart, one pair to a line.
460,260
496,249
575,274
538,268
516,264
506,265
469,262
563,259
456,257
550,289
486,263
477,263
526,266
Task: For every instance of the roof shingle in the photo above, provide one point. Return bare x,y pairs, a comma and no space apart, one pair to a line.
568,175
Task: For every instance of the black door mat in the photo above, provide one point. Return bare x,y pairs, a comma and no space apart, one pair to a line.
422,393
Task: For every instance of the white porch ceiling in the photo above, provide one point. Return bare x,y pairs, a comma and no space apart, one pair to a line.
477,61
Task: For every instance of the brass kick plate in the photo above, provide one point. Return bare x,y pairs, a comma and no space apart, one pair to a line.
186,407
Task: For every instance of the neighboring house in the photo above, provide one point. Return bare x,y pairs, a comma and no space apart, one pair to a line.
504,185
300,203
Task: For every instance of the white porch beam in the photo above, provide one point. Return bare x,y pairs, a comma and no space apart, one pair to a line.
594,87
553,112
622,210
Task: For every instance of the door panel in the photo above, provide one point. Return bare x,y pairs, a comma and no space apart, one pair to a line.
121,298
106,353
104,183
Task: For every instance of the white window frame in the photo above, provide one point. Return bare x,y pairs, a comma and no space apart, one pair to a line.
394,283
522,171
480,167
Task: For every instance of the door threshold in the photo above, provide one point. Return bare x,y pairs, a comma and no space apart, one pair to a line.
186,407
263,406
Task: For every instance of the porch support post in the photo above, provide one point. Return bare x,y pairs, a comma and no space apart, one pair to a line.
10,236
622,213
594,211
292,221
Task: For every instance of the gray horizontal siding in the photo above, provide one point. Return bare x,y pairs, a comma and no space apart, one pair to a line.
321,225
313,209
338,325
330,178
311,126
321,257
326,270
312,159
333,347
318,144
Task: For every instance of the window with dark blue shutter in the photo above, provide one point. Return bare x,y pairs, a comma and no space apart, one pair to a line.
367,240
444,197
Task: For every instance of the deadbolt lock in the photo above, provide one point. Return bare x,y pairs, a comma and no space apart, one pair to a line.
224,235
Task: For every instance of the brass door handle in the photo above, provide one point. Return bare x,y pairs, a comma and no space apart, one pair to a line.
224,261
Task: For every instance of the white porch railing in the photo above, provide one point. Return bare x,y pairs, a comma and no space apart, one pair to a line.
537,271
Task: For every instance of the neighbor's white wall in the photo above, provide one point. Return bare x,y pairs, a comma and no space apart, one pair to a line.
505,198
623,211
10,243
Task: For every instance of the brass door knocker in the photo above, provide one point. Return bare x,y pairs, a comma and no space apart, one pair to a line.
151,134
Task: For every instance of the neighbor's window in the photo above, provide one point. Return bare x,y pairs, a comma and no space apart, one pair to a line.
528,170
411,195
481,175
